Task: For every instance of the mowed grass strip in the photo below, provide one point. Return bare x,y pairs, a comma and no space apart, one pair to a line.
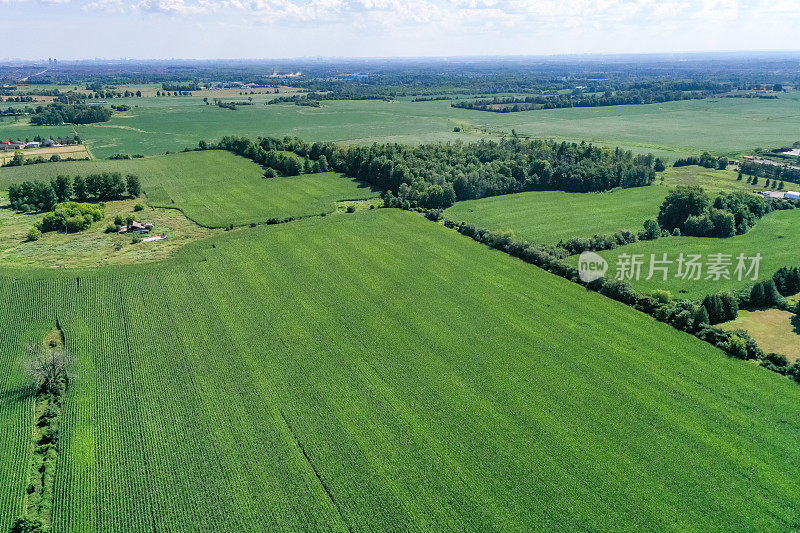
213,188
775,237
376,371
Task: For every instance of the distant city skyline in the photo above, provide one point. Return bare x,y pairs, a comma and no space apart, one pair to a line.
219,29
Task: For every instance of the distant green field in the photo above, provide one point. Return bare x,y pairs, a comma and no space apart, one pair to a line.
775,237
550,216
375,372
672,129
213,188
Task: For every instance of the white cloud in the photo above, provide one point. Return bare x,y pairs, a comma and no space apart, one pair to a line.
175,7
533,17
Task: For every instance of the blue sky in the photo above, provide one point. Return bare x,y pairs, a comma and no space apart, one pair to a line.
157,29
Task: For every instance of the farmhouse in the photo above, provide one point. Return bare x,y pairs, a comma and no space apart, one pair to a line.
136,227
772,194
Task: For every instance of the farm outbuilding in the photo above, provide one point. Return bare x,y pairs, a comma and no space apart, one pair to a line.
792,195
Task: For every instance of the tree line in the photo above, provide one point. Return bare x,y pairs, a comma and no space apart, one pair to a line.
773,172
56,114
690,316
689,210
642,94
437,175
43,196
706,160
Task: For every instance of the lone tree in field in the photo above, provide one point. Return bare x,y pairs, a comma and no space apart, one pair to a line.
49,368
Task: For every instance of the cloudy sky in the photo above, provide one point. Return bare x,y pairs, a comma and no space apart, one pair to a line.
78,29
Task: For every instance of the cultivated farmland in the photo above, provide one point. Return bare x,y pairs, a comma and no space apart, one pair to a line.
673,129
550,216
775,237
376,371
213,188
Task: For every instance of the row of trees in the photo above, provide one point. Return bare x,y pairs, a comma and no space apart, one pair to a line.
690,316
56,114
43,196
437,175
577,245
706,160
773,172
643,94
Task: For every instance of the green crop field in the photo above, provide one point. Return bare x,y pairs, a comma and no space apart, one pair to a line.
550,216
213,188
775,237
376,371
672,129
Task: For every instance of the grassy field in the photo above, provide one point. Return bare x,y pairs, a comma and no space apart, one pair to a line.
550,216
775,237
213,188
94,247
376,371
774,330
725,126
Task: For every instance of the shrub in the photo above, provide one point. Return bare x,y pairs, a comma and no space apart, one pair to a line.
26,524
71,217
34,234
351,209
138,207
661,296
434,215
735,346
651,230
136,239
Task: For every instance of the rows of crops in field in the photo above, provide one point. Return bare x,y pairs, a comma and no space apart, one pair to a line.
774,237
213,188
379,372
23,323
